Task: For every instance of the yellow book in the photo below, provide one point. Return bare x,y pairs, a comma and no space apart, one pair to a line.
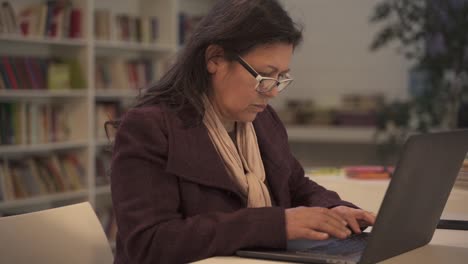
58,76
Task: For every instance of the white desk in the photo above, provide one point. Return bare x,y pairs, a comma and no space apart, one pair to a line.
447,246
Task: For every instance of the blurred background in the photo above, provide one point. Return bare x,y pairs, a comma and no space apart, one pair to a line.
369,74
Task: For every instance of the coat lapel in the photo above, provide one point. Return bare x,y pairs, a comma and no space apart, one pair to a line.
193,157
274,158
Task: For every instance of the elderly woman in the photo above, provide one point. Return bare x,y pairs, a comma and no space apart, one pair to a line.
201,165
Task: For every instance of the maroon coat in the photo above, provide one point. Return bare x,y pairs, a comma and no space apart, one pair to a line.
174,201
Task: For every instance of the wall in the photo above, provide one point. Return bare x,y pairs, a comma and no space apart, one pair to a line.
335,59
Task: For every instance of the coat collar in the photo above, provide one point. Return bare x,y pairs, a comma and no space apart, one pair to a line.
193,157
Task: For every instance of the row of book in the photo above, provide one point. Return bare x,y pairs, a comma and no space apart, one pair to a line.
40,73
35,176
355,110
118,73
125,27
51,18
33,123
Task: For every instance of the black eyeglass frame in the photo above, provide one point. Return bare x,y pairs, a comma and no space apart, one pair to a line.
280,84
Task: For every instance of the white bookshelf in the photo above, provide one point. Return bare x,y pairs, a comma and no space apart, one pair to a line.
115,94
81,103
41,41
45,94
133,46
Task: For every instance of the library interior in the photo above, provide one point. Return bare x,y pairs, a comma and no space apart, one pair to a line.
367,76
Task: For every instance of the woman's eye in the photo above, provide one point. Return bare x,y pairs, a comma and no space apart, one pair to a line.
284,76
265,74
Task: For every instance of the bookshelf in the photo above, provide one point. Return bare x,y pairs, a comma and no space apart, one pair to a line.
143,53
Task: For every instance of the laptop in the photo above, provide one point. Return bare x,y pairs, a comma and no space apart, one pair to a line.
408,215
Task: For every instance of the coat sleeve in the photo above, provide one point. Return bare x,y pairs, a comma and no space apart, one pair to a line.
146,202
304,191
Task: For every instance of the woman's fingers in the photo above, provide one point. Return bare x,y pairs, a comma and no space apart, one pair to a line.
330,223
353,224
316,221
369,217
315,235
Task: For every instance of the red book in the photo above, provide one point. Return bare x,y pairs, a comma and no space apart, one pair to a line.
54,23
75,23
23,73
10,73
131,76
32,75
38,73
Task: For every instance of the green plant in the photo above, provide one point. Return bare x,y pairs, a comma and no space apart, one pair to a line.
433,34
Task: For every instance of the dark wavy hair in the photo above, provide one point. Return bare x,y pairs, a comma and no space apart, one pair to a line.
237,26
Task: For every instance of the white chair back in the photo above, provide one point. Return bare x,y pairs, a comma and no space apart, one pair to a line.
70,234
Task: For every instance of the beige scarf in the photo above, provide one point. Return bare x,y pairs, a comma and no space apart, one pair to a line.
248,158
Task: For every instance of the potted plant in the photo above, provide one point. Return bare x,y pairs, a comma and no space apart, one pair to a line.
433,34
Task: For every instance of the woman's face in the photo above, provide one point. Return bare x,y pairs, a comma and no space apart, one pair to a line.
233,92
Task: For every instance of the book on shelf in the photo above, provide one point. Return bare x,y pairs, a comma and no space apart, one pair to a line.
102,24
19,73
58,76
36,176
8,22
125,27
52,19
33,123
122,74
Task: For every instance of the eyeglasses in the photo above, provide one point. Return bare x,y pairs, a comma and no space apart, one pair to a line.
265,84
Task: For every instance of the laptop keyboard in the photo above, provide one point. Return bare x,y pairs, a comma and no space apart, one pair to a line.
352,245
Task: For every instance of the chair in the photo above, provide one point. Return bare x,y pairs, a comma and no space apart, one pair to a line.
69,234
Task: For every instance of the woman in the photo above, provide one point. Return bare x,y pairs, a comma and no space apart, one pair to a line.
201,166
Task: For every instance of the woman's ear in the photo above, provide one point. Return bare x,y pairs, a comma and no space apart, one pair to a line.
214,57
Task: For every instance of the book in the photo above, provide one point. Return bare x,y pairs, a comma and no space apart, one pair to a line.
75,23
77,79
8,18
102,22
59,76
368,172
35,176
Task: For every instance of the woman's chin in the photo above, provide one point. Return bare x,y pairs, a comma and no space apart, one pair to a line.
249,117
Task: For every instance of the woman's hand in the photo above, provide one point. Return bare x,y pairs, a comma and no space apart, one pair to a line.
355,218
315,223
